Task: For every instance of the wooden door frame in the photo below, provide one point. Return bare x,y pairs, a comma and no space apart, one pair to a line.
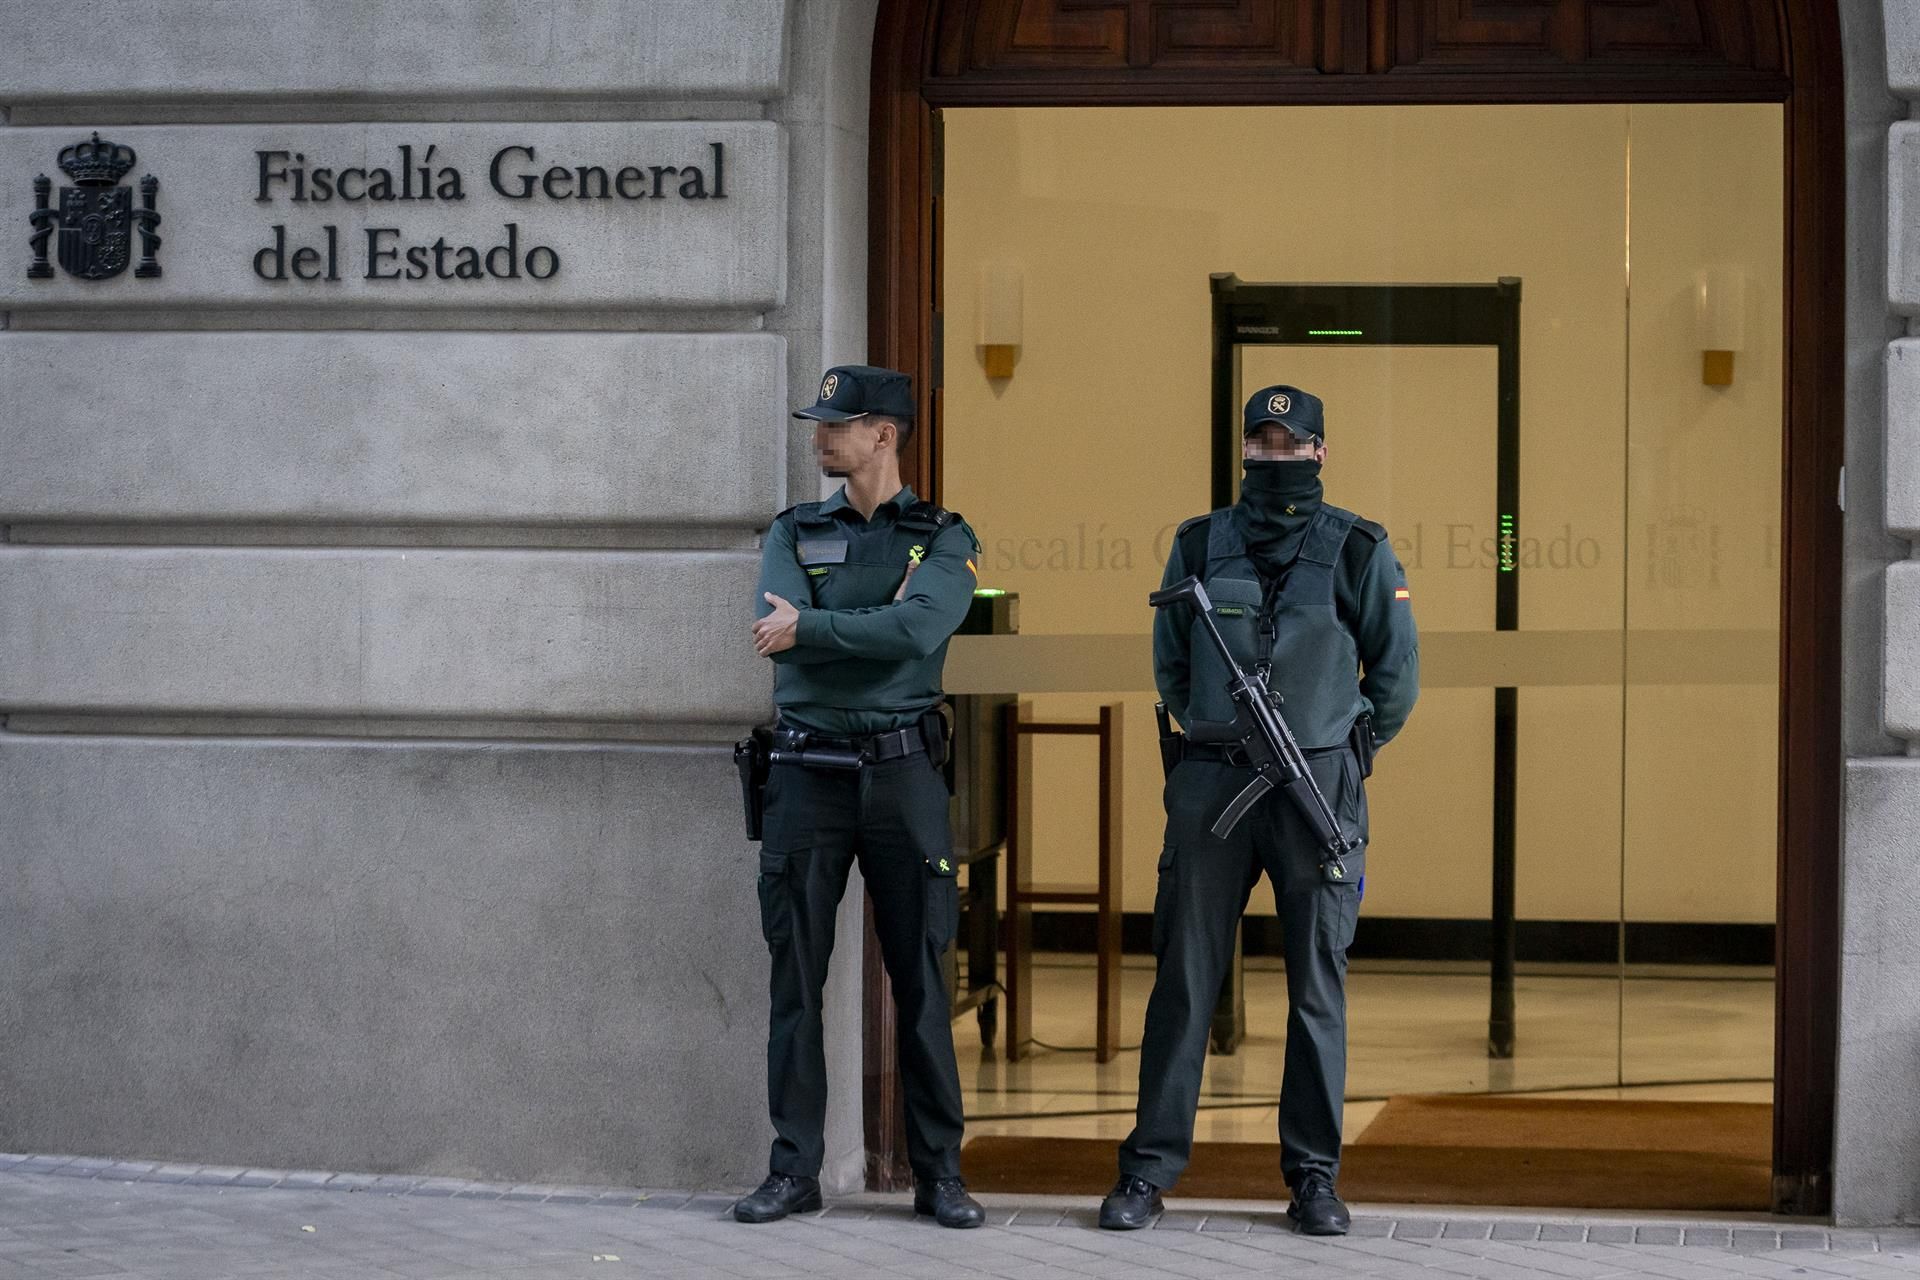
903,296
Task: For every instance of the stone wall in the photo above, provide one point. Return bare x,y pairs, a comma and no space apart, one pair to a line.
1877,1139
369,643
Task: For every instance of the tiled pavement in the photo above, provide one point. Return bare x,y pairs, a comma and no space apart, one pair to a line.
64,1217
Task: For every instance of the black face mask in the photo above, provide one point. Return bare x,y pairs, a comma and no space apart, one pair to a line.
1277,498
1273,484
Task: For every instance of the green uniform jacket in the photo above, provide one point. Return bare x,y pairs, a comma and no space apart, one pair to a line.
863,662
1371,597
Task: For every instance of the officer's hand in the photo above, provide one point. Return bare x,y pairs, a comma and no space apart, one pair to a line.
900,593
775,632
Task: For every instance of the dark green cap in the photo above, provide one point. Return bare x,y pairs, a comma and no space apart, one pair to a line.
1291,407
850,391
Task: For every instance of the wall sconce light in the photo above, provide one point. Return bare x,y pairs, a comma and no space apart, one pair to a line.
1720,316
1001,288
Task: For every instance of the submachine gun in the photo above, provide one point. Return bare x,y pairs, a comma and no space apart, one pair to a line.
1266,741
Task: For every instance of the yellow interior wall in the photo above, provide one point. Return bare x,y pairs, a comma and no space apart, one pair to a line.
1076,470
1703,516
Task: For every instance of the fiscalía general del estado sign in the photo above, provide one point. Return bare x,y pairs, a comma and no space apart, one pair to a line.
515,173
612,215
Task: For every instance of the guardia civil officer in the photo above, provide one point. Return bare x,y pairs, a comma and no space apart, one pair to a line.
1315,596
858,596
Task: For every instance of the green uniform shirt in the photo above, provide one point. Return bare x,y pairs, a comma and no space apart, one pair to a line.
863,662
1371,597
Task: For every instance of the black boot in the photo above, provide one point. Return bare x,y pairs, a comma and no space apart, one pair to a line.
780,1195
946,1201
1316,1210
1130,1205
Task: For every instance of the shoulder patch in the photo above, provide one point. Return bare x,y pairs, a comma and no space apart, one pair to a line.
801,511
944,521
927,515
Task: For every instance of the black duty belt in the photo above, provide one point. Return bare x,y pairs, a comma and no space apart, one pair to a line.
1234,754
817,750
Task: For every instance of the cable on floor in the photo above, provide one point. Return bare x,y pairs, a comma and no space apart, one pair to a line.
1082,1048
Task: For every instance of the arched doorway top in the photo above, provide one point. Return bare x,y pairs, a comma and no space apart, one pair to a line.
929,54
1093,51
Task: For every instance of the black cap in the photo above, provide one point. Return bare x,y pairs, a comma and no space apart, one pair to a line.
850,391
1291,407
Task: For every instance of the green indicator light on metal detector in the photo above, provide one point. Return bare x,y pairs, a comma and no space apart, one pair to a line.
1507,543
1334,333
988,591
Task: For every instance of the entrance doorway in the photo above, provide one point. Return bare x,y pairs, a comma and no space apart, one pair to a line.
915,294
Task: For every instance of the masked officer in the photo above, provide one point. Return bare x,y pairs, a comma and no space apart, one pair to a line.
858,596
1314,596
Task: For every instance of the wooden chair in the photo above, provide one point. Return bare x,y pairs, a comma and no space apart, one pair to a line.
1023,894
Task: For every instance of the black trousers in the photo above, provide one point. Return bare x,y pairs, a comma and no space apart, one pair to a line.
892,819
1205,884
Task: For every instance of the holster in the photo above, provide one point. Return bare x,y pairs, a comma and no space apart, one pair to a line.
750,759
1173,743
1360,738
937,733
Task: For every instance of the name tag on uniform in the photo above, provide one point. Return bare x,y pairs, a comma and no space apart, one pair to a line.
821,550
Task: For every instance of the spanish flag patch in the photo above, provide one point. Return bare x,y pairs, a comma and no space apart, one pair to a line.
1401,593
970,569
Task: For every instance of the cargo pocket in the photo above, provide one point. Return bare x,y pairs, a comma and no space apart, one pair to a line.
776,900
1163,901
1336,912
943,901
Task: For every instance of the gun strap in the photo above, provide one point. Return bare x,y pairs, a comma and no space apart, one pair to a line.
1268,623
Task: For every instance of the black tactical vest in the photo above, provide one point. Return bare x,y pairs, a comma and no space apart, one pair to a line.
1315,666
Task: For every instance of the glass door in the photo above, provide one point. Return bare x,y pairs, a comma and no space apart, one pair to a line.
1076,383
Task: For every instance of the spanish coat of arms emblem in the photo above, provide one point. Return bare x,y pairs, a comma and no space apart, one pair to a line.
96,217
